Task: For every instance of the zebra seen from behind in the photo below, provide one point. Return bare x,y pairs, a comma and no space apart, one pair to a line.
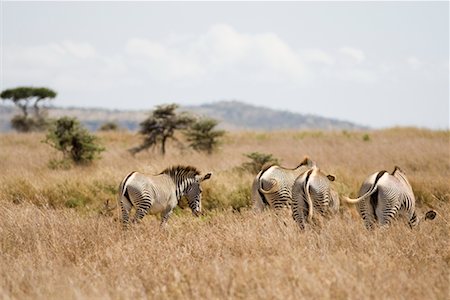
312,191
272,187
383,196
160,193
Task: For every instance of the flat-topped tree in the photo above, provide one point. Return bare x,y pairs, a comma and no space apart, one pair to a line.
161,126
23,96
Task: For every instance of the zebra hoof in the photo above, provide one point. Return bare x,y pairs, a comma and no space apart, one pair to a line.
430,215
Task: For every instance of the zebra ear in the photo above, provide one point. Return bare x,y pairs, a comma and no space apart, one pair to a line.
331,177
207,176
430,215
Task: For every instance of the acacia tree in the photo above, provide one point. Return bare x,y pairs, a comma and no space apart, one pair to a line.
23,98
202,135
161,126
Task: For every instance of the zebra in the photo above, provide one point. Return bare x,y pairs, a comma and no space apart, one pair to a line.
160,193
272,187
383,196
312,191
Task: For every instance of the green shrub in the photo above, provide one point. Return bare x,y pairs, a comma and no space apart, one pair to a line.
74,141
28,124
258,160
75,202
109,126
222,196
366,137
75,194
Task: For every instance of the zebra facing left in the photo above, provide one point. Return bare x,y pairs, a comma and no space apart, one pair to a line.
159,194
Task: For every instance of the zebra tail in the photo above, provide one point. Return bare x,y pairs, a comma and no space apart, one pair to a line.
258,199
122,190
272,190
372,190
308,195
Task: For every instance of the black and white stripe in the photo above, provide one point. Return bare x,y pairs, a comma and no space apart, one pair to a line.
312,191
383,197
160,193
272,187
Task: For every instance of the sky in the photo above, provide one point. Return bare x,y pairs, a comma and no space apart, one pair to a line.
378,64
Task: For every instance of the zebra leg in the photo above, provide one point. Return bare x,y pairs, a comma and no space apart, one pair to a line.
413,220
165,215
125,206
299,210
367,212
140,213
388,208
408,209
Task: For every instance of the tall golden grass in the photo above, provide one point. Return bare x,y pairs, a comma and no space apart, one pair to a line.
55,244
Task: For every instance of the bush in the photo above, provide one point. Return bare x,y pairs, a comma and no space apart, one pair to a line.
109,126
75,142
258,160
219,196
366,137
28,124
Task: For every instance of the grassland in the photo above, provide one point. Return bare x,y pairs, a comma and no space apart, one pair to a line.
56,242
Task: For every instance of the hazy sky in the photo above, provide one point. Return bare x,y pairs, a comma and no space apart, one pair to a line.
380,64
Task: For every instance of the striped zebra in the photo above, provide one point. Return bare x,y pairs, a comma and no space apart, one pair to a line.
383,196
312,191
272,187
160,193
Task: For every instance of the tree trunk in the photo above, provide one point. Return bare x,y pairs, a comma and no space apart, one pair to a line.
23,107
36,108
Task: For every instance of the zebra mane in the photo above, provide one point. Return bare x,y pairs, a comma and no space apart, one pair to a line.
181,171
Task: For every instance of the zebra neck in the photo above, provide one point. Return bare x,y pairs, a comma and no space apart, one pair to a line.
181,186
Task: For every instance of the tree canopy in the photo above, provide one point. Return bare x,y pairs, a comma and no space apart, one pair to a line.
23,96
202,135
161,126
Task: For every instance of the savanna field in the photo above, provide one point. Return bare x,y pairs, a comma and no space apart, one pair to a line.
59,241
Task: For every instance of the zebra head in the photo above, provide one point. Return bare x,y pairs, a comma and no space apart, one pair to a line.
194,194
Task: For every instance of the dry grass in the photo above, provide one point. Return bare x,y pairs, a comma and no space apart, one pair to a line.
49,251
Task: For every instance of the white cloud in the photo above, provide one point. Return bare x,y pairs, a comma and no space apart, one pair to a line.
414,62
219,54
220,50
357,75
317,56
67,65
79,50
161,61
356,54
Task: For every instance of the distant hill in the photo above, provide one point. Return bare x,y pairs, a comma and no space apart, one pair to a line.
239,115
233,115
